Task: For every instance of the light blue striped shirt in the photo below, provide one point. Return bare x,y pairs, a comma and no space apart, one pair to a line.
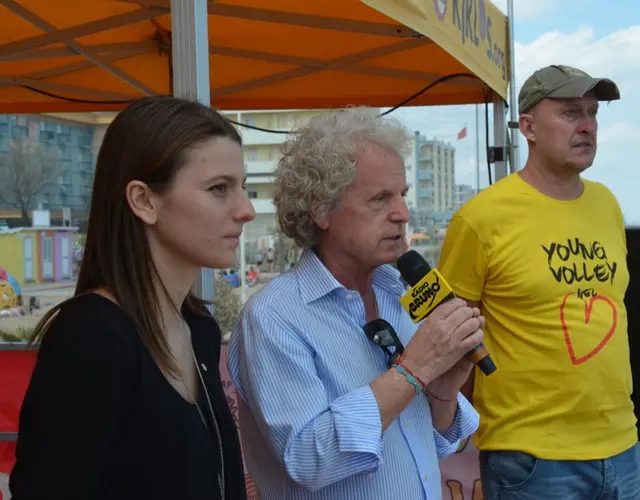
309,421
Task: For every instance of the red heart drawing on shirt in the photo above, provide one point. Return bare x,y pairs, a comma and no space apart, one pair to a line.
588,306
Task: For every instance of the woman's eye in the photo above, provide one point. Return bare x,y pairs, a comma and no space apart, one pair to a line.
220,188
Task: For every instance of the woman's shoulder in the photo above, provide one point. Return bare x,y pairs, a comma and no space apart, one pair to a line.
89,337
91,317
93,309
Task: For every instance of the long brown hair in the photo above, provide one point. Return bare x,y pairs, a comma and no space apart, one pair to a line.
148,141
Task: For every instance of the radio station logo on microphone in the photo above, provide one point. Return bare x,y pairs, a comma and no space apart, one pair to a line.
428,293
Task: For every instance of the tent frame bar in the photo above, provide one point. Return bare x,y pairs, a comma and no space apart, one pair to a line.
190,58
392,30
77,47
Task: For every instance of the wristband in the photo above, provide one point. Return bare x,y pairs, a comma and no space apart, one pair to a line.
410,378
408,374
420,386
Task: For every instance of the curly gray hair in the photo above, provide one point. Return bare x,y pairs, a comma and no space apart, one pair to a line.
318,163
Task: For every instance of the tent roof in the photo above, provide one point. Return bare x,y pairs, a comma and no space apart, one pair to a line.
79,55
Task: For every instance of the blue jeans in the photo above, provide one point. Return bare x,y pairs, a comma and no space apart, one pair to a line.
514,475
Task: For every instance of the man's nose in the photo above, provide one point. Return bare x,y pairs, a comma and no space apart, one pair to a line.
588,125
400,212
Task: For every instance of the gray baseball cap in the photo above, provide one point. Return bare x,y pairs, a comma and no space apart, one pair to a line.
563,82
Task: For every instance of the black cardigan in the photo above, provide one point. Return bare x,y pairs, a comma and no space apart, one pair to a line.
100,420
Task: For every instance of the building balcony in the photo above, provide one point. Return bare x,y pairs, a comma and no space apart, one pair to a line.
424,175
258,138
263,207
252,180
260,167
425,192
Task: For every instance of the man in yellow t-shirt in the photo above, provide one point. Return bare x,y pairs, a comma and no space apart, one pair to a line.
543,253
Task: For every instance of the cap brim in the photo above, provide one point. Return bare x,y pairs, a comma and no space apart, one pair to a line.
603,88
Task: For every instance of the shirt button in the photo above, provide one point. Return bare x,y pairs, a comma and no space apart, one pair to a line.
370,475
426,476
407,425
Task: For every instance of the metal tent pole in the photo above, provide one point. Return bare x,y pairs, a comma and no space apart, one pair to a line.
514,153
190,58
500,138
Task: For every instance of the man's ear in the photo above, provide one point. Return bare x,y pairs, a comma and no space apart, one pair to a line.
319,216
527,125
142,201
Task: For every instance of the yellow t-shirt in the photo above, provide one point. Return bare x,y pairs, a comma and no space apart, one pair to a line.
551,278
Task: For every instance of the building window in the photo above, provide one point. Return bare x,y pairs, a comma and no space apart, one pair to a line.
252,154
34,130
253,195
251,122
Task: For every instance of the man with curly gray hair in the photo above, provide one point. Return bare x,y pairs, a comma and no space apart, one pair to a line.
323,414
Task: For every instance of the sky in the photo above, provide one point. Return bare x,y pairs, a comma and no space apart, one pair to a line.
601,38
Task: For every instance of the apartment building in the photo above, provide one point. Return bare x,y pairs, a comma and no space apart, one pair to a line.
77,138
463,193
431,176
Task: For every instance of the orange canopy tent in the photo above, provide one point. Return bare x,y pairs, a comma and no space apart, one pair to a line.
92,55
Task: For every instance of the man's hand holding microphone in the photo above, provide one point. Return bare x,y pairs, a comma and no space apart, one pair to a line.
434,363
437,353
442,352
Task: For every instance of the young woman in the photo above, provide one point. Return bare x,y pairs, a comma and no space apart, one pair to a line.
126,401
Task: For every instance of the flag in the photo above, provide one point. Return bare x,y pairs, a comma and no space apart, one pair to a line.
463,133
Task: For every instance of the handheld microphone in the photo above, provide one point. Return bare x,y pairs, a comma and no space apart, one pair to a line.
428,290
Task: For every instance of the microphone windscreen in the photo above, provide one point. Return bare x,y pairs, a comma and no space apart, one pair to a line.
413,267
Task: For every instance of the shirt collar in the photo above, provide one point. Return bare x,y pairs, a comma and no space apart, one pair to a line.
315,280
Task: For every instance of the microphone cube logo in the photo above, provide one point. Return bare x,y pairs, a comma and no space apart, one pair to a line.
441,8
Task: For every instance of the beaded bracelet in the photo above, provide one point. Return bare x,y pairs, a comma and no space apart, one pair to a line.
418,384
410,378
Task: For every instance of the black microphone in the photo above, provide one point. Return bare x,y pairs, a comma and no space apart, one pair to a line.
428,290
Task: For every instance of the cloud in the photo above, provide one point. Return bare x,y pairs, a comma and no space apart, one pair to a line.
528,9
620,131
613,55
